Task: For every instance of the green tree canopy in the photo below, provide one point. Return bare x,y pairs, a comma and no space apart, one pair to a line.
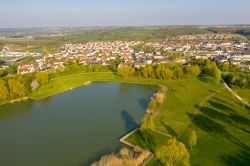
17,89
42,78
173,153
4,93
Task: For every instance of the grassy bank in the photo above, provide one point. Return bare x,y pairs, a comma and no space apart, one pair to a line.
220,121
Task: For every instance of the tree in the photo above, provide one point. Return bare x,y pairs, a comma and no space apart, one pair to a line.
167,74
147,122
173,153
215,72
225,66
17,89
34,85
207,67
217,75
148,71
3,73
158,71
42,78
192,139
193,71
12,69
126,71
4,93
179,72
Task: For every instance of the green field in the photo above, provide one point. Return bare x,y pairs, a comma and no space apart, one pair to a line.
51,44
221,122
111,35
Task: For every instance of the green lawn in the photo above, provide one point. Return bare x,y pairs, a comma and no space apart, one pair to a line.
223,128
221,122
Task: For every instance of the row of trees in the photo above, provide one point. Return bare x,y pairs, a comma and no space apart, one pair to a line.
161,71
19,86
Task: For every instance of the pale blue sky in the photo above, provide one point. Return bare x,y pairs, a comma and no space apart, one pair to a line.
37,13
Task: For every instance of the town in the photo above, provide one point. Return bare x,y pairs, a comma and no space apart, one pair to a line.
222,48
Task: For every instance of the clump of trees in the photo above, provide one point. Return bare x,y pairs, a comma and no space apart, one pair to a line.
124,157
4,92
156,101
240,80
126,71
211,69
19,86
161,71
42,78
154,104
14,87
173,153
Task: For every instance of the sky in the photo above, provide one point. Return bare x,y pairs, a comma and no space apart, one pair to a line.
60,13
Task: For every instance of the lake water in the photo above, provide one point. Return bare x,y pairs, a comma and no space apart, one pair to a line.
71,128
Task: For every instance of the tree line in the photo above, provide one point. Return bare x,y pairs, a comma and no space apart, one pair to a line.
161,71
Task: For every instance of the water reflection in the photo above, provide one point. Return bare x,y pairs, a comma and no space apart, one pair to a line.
129,121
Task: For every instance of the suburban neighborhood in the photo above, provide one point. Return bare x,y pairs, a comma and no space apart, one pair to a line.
221,48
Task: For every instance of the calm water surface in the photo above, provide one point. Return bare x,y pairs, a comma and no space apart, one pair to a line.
72,128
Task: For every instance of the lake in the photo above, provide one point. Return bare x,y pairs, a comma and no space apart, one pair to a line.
72,128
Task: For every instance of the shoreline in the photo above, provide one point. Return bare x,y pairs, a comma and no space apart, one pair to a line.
16,100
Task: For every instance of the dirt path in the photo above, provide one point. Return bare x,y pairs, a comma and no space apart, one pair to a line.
199,107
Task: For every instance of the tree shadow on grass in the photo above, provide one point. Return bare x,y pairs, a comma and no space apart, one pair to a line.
148,140
206,124
218,99
214,128
237,121
240,119
130,123
220,106
170,130
213,113
240,159
213,91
